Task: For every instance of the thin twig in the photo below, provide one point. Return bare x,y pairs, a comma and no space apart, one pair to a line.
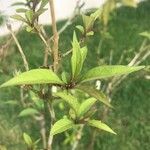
75,13
41,120
19,48
111,57
47,51
4,48
52,113
67,53
78,137
134,62
22,96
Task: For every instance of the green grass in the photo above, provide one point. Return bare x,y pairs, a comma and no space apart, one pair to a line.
131,116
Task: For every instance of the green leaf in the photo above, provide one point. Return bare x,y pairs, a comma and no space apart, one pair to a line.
78,57
108,71
90,33
130,3
96,14
37,141
28,112
21,10
61,126
38,13
83,55
85,106
99,95
11,102
88,22
64,77
29,15
80,28
98,124
19,4
71,100
35,76
145,34
29,29
72,114
19,18
43,3
27,139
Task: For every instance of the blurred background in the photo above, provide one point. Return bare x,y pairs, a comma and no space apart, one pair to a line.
62,9
126,41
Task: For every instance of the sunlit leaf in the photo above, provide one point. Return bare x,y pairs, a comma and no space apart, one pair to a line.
64,76
131,3
88,22
29,29
85,106
98,124
35,76
68,98
90,33
96,14
108,71
77,57
29,15
27,139
80,28
61,126
145,34
83,55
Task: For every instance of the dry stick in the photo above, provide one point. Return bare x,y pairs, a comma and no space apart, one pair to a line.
67,53
22,96
55,36
111,57
55,62
68,22
19,48
48,51
23,58
4,48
